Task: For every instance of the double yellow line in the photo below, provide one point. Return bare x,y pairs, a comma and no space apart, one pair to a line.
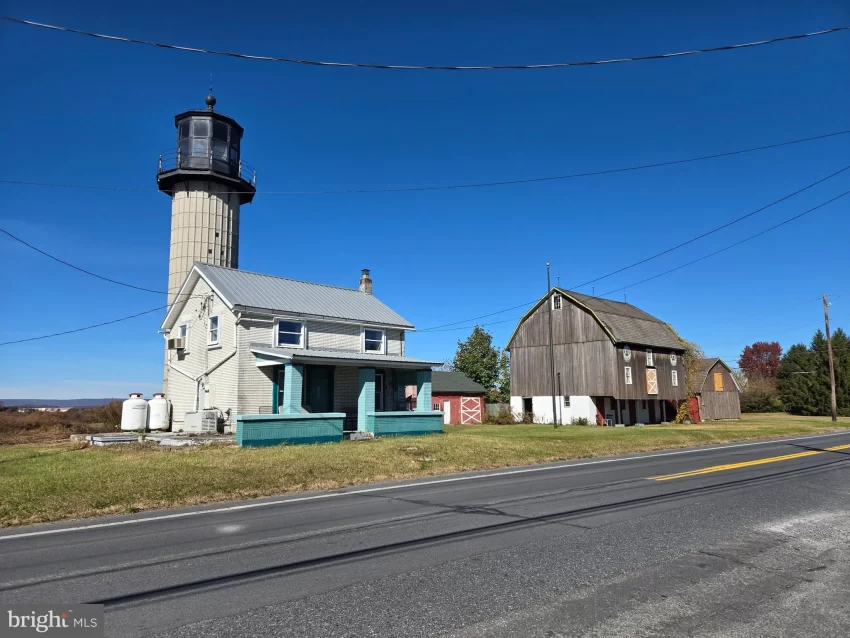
735,466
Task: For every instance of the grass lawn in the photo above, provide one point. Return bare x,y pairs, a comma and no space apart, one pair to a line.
41,482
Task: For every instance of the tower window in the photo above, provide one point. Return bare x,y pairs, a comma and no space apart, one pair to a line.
200,128
220,130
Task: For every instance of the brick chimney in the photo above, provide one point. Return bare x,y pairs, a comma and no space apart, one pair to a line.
365,281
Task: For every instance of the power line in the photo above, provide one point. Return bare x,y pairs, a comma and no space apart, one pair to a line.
97,325
413,189
82,270
664,252
738,243
714,230
407,67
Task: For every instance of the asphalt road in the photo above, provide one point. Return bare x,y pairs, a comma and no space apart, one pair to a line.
738,540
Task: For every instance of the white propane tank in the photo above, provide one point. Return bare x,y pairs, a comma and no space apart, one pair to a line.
134,413
158,412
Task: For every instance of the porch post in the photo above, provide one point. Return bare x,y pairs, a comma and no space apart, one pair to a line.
423,391
365,399
292,383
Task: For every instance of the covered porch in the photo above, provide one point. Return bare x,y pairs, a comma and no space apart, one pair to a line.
352,392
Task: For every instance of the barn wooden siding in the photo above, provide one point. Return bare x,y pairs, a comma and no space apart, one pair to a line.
584,354
661,359
720,405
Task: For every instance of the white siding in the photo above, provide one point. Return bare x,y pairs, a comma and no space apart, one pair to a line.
580,407
333,336
255,384
395,342
198,357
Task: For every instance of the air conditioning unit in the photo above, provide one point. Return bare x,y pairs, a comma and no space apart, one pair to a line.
176,344
201,422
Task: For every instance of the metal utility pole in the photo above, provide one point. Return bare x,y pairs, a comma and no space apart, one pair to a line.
551,344
831,364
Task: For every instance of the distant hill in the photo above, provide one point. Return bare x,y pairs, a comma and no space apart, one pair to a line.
57,403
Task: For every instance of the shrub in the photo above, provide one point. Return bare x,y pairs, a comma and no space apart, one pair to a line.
580,420
760,395
504,417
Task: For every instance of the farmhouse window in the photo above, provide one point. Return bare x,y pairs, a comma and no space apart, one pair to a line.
373,340
649,359
212,332
290,333
628,372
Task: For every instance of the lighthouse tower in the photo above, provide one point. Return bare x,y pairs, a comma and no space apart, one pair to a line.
207,182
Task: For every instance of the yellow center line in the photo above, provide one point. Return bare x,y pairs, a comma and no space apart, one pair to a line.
735,466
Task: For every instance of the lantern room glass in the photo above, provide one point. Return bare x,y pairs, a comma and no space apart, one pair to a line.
206,143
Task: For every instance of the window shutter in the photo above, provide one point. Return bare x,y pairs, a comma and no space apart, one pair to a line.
718,382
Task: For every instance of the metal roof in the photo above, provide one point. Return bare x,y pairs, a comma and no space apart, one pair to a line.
454,382
267,292
265,349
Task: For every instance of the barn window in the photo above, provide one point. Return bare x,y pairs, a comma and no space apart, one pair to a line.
628,372
556,301
718,382
649,360
675,378
437,407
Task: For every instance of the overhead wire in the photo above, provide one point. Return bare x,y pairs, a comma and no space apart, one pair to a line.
664,252
811,210
78,268
412,189
738,243
427,67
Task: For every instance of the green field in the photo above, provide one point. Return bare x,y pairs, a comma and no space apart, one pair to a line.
48,482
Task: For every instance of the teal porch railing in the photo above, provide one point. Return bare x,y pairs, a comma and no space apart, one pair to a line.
412,423
274,429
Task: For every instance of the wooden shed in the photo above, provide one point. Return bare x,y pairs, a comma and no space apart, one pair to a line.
719,395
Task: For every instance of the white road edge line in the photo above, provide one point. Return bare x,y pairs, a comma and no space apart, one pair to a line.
387,488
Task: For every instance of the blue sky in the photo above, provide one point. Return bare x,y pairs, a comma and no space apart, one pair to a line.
84,111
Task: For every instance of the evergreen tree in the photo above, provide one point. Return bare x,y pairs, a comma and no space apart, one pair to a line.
809,394
798,391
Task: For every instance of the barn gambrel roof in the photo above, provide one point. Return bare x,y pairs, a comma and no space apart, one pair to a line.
623,322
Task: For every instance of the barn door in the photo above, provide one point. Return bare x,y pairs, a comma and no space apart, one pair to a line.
651,381
470,410
447,412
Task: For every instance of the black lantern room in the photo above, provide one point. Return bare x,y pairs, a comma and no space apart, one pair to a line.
208,148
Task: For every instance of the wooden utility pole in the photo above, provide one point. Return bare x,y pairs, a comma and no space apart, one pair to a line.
831,364
551,303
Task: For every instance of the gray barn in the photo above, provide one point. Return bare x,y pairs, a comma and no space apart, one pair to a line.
719,395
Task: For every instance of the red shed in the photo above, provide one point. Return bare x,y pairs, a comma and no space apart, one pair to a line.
458,396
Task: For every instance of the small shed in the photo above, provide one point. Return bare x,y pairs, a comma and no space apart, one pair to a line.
460,398
719,394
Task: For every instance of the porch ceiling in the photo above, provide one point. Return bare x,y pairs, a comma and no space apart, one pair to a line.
265,352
